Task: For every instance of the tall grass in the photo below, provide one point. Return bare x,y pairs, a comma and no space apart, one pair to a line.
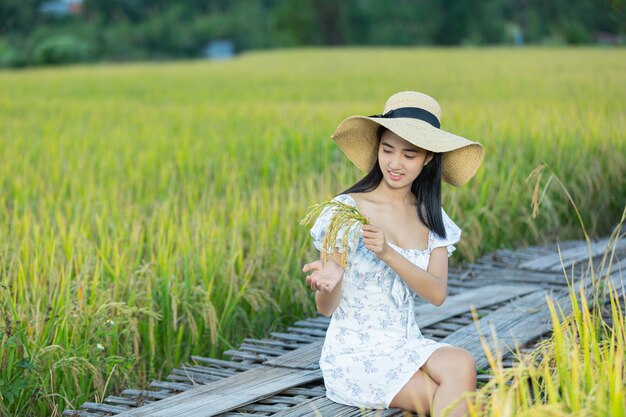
579,370
150,212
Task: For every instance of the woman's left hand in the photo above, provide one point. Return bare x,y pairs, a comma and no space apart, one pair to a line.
374,240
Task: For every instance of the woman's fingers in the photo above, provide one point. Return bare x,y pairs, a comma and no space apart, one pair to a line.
317,282
314,281
372,233
317,265
324,276
373,238
370,228
311,282
375,249
373,241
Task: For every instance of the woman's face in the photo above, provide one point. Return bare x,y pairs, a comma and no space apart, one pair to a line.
400,161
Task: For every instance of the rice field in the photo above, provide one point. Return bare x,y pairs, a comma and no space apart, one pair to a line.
152,211
579,370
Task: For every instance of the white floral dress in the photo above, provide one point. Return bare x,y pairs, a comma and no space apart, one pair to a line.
373,345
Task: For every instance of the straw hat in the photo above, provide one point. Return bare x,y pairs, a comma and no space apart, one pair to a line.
416,118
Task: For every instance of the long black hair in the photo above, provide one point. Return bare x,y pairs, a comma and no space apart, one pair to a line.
426,188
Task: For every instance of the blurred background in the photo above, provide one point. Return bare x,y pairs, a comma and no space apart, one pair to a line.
35,32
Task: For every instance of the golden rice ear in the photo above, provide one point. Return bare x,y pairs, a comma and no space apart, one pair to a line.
344,216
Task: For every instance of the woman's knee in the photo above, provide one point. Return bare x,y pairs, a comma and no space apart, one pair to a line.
451,363
465,368
466,361
417,394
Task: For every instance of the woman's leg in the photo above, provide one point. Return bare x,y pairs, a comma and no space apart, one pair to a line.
454,369
417,394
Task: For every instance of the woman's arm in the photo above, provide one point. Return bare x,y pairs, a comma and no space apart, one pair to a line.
432,285
326,279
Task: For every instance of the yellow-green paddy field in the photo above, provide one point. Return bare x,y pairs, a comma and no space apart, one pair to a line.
150,211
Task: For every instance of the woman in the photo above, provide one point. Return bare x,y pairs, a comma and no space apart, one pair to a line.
374,354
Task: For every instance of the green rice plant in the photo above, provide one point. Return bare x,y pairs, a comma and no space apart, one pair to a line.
344,217
580,369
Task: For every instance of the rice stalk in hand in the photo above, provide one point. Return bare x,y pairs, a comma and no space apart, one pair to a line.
344,216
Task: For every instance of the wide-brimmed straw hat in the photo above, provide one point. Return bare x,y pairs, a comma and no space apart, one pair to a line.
415,117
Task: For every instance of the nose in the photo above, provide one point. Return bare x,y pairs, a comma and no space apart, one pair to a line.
395,161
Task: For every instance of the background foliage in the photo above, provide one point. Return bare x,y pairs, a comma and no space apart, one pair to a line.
114,30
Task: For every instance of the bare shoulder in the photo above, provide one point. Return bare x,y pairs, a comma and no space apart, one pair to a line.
362,198
367,204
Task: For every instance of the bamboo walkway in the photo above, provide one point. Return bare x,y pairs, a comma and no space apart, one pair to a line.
279,375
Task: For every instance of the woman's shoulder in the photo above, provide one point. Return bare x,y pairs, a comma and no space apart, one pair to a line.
362,201
361,198
346,199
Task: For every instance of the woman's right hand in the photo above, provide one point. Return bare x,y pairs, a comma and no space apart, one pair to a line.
325,275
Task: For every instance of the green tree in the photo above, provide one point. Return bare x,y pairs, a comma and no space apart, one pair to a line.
19,16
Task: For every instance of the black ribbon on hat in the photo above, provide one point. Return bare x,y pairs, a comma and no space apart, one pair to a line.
413,113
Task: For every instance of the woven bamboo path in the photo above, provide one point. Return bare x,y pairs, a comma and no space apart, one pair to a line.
279,375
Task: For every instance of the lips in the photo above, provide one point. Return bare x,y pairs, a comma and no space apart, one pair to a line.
395,176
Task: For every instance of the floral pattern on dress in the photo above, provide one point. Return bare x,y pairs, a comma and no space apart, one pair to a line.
373,345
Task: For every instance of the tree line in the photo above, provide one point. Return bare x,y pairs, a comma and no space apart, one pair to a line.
114,30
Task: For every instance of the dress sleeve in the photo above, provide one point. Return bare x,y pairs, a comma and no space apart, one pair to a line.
453,235
320,227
